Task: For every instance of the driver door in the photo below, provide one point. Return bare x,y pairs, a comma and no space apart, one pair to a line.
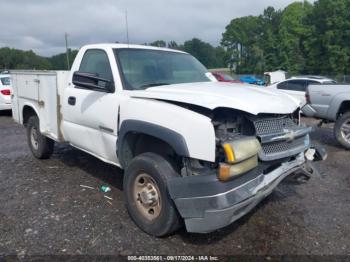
90,116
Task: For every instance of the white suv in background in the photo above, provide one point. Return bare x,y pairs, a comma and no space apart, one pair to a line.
5,92
296,86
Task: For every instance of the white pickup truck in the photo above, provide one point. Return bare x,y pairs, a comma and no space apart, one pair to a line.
192,148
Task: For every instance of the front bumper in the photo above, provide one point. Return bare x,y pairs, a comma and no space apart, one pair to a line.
206,204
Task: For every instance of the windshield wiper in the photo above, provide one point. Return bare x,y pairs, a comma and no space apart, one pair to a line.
154,84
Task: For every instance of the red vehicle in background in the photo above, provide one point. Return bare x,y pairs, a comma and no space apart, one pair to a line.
225,78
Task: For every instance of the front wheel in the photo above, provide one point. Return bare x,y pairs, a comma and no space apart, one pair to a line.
146,194
41,146
342,130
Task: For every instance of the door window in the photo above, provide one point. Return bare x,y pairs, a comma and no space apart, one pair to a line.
5,81
293,85
96,62
312,82
283,85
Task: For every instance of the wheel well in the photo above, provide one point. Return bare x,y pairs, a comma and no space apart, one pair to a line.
135,144
27,113
344,107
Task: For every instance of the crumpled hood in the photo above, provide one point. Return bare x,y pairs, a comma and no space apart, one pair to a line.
211,95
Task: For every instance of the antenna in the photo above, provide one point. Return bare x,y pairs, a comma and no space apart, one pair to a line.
67,51
127,26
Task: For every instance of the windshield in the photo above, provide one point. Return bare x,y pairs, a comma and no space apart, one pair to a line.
142,68
5,81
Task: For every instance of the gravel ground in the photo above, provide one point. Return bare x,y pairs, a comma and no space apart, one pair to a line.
45,211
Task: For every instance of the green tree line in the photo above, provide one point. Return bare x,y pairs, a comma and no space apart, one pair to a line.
211,57
303,38
11,58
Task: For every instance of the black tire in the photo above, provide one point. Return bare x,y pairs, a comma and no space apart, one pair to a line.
42,147
160,171
339,135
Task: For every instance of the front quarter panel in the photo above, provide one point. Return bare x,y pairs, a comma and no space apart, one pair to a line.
196,129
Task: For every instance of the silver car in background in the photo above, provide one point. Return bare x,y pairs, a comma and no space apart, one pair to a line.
296,86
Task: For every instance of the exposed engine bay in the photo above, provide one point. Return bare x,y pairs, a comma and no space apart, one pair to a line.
276,138
276,133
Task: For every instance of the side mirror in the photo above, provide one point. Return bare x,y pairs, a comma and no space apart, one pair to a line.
92,82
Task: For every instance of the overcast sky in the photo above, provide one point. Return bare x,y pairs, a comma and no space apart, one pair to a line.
40,24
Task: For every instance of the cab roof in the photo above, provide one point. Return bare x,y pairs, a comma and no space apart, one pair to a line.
120,46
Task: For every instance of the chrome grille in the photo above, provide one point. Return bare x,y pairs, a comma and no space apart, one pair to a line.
273,125
280,147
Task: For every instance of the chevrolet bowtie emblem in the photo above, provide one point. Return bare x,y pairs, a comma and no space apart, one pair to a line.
289,135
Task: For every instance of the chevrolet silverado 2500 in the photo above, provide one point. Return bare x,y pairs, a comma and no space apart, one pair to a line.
192,148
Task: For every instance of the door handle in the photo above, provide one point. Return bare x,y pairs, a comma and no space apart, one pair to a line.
71,100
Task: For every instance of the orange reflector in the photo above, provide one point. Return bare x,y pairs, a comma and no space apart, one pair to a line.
224,172
230,157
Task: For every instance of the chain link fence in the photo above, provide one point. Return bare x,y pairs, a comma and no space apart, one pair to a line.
341,78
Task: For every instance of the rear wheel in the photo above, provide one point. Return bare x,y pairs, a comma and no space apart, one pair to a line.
41,146
342,130
146,194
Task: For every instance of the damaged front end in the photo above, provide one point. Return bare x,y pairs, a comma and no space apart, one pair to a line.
254,154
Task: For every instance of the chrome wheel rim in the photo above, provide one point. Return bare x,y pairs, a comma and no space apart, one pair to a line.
345,131
147,196
34,137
